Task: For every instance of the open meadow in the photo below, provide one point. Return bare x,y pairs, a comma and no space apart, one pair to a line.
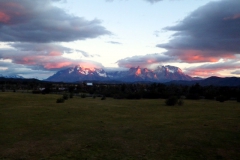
34,126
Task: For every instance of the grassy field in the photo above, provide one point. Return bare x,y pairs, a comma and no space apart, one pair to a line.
36,127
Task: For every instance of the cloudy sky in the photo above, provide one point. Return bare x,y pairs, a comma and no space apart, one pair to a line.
41,37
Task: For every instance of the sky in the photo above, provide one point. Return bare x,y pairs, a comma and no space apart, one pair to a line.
39,38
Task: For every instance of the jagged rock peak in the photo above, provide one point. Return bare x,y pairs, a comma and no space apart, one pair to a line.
168,68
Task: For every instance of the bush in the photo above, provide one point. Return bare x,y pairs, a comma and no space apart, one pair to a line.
71,95
65,96
60,100
103,97
171,101
180,102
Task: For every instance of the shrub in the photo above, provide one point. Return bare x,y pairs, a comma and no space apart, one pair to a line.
103,97
171,101
65,96
71,95
180,102
60,100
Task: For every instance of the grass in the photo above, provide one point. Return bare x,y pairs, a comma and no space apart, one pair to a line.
36,127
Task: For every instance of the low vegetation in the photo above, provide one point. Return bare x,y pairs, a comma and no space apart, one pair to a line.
34,126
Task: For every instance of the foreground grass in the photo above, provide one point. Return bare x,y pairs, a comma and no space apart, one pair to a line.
36,127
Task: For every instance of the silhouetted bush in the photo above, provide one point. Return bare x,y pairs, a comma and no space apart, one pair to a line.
180,102
46,91
71,95
65,96
103,97
171,101
60,100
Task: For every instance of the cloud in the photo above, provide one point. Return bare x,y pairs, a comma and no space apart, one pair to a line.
143,61
25,71
153,1
42,56
113,42
156,33
208,34
237,72
213,69
40,21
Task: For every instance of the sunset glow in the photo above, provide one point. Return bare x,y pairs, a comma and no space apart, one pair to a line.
201,37
4,17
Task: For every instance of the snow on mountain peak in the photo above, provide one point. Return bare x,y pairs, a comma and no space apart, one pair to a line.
160,73
173,69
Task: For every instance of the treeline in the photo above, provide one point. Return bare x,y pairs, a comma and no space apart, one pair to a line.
127,91
158,90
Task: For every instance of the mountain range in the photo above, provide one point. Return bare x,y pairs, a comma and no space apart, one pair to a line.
11,76
159,74
163,74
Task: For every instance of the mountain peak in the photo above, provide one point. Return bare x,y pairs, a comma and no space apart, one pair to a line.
160,74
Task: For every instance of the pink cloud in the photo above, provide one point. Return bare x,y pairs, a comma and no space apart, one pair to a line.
4,18
199,56
213,69
198,72
236,16
43,56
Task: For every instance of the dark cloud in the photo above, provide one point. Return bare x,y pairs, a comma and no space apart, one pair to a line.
208,34
237,72
143,61
42,56
25,71
40,21
42,48
212,69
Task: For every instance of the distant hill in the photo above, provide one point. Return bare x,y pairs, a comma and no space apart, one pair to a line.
11,76
215,81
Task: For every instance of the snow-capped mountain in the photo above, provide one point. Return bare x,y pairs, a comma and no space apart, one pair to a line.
79,73
159,74
15,76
